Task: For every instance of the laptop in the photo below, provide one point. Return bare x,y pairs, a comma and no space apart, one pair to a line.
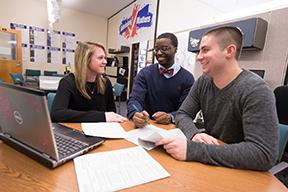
26,126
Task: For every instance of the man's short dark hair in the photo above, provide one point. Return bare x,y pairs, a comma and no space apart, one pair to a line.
170,36
227,35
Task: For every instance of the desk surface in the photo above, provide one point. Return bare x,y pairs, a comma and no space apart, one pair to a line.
20,173
49,82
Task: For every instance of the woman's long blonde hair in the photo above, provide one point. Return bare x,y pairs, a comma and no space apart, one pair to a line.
83,54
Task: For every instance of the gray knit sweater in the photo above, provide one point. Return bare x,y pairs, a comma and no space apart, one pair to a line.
243,115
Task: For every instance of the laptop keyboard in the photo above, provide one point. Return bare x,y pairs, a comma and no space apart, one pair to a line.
67,146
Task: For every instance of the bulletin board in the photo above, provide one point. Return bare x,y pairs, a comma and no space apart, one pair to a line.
44,46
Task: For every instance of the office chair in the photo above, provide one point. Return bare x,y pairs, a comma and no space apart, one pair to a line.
50,99
58,75
32,75
117,90
281,95
50,73
281,168
259,72
17,78
283,138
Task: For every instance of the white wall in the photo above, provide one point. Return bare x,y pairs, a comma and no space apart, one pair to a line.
87,27
196,14
181,15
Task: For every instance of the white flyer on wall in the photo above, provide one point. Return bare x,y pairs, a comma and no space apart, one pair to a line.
24,31
68,56
68,40
54,38
37,36
25,53
53,55
37,54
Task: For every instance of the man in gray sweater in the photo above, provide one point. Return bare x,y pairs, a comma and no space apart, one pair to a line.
238,109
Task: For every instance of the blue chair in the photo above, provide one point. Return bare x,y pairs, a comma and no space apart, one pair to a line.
117,90
32,75
17,78
283,138
50,99
58,75
1,81
50,73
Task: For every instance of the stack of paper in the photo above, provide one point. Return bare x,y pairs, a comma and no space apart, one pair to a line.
150,134
115,170
106,130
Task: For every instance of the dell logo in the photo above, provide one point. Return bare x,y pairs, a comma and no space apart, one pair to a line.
18,117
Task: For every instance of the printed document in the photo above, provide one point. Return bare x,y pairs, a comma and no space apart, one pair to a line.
150,134
116,170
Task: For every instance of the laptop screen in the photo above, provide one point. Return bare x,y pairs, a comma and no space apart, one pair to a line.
24,116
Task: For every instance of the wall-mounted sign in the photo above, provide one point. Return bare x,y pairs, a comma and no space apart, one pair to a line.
140,18
136,23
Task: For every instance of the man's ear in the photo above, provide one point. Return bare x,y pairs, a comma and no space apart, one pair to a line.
176,49
231,51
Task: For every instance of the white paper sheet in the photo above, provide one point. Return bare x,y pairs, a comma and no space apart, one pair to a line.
106,130
24,31
54,38
54,55
115,170
148,142
25,53
68,56
37,54
68,40
148,135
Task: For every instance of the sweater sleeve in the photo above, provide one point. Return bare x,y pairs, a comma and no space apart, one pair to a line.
258,150
60,111
138,94
187,112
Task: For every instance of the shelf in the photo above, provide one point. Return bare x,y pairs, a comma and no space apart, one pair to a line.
123,49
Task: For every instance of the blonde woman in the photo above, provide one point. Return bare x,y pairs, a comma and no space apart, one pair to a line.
86,96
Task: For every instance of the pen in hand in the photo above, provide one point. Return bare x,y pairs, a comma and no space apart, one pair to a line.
143,112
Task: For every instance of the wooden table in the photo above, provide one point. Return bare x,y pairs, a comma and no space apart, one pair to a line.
20,173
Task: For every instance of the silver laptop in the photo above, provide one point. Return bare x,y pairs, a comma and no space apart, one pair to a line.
26,126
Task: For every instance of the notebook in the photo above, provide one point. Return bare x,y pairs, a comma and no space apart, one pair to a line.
26,126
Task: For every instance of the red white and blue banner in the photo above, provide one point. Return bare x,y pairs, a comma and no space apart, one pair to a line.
136,23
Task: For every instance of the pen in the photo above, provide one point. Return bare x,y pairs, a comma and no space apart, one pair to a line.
136,108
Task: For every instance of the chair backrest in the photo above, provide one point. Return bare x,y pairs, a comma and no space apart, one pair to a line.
58,75
50,98
281,95
118,89
283,138
259,72
50,73
32,72
17,78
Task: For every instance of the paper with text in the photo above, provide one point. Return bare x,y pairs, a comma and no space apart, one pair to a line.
106,130
115,170
148,142
150,134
